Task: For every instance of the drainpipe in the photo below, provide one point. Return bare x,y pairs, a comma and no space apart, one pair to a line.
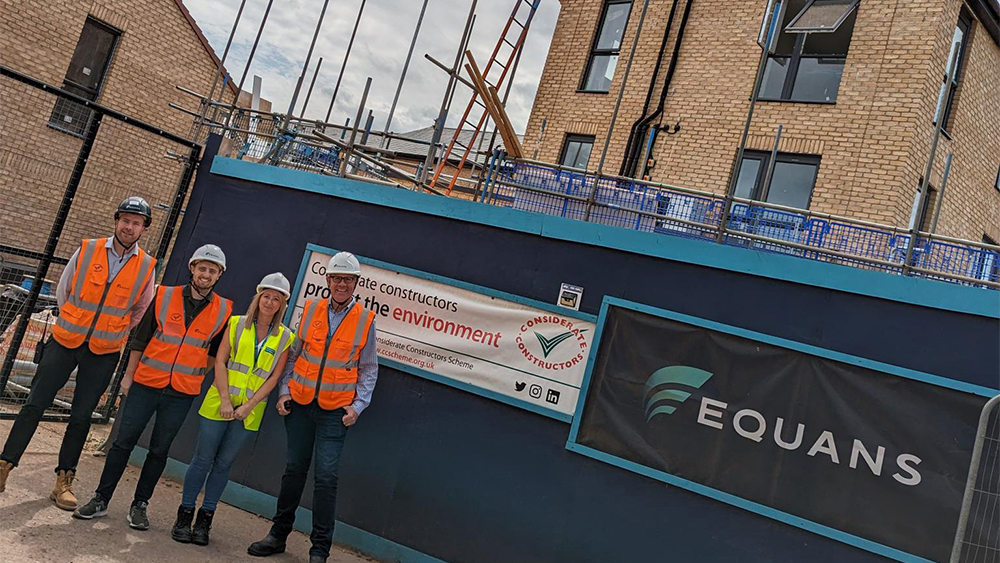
631,156
649,91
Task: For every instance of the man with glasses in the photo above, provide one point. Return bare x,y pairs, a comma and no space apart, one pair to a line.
328,381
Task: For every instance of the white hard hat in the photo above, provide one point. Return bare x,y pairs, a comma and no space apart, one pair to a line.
276,281
343,263
210,253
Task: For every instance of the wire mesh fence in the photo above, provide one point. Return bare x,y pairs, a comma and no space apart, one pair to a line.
640,206
977,539
65,165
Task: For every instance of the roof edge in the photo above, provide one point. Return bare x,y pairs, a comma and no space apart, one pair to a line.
204,42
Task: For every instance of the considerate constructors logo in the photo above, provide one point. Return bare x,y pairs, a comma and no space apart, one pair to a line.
550,332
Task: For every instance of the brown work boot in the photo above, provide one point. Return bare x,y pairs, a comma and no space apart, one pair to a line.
5,468
63,491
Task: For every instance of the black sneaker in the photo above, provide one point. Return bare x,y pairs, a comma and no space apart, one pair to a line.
137,519
95,508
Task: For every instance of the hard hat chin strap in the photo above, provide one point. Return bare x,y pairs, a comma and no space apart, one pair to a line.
127,247
195,289
340,303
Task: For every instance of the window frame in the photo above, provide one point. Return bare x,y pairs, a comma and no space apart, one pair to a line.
576,138
996,183
795,58
87,91
595,52
808,30
964,19
791,158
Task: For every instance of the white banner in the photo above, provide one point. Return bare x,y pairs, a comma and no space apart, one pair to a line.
487,342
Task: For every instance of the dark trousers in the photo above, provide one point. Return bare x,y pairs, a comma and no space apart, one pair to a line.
312,433
140,406
93,374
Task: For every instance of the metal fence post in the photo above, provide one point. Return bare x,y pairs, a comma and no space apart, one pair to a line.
970,483
183,186
734,170
926,181
50,247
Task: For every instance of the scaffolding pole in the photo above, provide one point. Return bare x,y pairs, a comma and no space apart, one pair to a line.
215,81
246,68
445,101
309,93
402,76
614,114
343,65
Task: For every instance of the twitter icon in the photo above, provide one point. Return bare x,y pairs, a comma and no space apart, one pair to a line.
519,386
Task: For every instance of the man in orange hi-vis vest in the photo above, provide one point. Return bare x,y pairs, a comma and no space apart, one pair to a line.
171,352
103,292
329,378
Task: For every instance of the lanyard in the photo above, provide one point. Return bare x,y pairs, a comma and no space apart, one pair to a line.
258,345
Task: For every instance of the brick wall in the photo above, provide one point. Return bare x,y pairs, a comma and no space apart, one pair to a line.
157,50
873,142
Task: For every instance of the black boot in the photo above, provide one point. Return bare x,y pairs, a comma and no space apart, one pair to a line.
202,525
267,546
181,531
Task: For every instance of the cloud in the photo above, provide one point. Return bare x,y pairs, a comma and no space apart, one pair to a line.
379,51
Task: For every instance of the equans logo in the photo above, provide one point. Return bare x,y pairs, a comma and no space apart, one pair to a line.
669,387
666,401
549,340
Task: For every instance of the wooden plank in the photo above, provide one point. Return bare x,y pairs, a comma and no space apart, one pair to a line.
494,108
515,149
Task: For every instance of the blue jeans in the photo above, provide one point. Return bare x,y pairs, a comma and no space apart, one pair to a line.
141,404
311,429
219,442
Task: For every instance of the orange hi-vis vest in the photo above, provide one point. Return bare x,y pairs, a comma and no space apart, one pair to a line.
98,309
177,355
334,356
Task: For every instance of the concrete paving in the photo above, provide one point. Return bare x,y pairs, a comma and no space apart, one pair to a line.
33,530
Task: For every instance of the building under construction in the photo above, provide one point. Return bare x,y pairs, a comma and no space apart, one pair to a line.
635,126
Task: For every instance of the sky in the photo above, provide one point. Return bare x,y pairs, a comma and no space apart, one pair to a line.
379,52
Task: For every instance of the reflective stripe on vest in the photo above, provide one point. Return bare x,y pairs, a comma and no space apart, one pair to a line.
331,371
247,373
177,354
98,309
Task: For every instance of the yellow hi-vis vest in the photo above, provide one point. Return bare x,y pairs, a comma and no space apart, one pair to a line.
247,370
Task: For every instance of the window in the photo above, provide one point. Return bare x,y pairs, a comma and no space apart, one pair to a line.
791,182
85,76
806,67
997,183
955,57
607,44
821,16
576,151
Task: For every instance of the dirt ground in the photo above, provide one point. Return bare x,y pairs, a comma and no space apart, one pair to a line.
33,530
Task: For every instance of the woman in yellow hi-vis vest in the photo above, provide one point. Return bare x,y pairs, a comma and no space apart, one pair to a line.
247,368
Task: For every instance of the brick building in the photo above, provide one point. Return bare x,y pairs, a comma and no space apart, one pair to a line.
128,55
857,105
